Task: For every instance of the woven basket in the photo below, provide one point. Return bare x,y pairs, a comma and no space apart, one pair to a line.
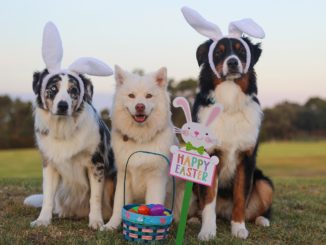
145,228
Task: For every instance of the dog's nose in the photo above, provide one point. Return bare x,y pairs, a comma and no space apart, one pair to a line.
140,107
232,63
62,106
196,133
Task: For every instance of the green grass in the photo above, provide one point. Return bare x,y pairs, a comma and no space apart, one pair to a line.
299,208
24,163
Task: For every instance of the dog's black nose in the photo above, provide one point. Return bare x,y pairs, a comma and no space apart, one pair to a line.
62,106
232,63
140,107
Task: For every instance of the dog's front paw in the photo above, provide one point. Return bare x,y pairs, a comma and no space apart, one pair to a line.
95,220
239,230
40,222
95,223
207,233
113,224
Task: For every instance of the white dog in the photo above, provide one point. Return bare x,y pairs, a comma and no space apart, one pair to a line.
141,120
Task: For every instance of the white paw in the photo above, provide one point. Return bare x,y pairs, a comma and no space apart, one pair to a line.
111,225
95,223
40,222
239,230
206,234
262,221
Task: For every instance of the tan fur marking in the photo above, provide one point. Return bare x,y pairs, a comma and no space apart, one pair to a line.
219,69
260,200
243,82
109,190
211,192
238,212
221,48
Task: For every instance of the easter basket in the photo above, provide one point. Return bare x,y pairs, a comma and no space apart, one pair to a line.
145,228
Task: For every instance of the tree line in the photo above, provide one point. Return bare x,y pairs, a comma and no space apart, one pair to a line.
284,121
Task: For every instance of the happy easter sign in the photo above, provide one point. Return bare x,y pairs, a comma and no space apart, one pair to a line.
191,162
193,167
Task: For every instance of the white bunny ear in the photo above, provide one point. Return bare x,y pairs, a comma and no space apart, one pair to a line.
90,66
52,47
183,103
201,25
215,111
248,26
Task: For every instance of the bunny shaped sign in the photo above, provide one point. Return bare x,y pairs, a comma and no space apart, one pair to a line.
192,162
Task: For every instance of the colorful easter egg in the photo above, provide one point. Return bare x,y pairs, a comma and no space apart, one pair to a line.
157,210
166,213
143,209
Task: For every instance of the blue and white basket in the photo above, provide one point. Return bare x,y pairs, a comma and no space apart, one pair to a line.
145,228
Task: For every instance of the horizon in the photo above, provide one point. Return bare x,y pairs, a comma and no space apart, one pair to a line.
290,68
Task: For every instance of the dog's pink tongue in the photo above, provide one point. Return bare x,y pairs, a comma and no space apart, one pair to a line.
140,119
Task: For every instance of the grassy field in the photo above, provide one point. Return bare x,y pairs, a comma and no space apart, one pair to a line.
299,209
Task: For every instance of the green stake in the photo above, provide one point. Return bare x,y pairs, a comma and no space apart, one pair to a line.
184,213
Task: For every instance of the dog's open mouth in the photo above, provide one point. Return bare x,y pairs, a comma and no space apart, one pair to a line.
140,118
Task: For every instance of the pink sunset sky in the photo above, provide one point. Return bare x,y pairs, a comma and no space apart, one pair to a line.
150,34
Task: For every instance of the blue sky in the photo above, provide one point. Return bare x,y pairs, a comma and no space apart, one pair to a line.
150,34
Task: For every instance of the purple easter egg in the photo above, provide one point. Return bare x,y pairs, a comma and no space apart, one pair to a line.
157,210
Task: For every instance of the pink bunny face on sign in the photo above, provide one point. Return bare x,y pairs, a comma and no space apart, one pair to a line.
196,133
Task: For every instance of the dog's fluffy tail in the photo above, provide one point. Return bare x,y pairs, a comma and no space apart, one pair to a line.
34,200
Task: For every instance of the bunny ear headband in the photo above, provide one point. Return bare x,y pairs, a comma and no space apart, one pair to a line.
212,31
52,55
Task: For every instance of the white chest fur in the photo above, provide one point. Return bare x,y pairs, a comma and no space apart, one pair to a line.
141,165
237,127
70,142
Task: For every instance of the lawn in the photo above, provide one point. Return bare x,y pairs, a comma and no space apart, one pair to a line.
299,209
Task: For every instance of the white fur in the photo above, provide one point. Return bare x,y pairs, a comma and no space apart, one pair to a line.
50,183
63,95
67,150
208,227
262,221
239,230
34,201
237,128
147,175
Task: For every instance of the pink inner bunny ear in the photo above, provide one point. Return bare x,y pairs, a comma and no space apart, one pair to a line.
215,111
183,103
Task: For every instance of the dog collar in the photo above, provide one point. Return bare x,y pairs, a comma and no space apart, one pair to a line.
212,31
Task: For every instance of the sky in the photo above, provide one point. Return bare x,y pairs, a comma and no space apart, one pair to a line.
148,34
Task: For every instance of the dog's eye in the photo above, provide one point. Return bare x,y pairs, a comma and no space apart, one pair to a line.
148,96
242,51
73,92
132,96
53,88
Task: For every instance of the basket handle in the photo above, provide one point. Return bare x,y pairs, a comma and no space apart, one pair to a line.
125,176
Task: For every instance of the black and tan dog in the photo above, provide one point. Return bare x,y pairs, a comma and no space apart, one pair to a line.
241,192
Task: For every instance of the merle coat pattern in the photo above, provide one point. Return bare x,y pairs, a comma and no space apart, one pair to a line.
78,165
